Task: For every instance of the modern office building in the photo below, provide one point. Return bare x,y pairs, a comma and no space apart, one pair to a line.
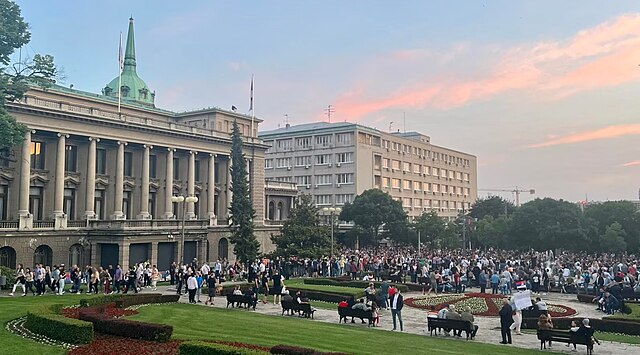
334,162
94,179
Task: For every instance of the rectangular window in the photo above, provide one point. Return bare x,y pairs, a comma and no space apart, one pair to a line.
427,186
283,162
377,181
466,177
268,163
435,171
176,168
377,162
71,159
323,159
284,178
126,204
303,180
385,163
443,173
153,166
426,170
4,202
466,191
417,185
99,204
270,145
395,164
323,141
417,168
196,165
303,161
406,166
35,202
101,161
341,199
458,175
69,204
436,204
344,178
406,184
344,138
152,203
284,144
427,203
417,202
406,202
37,155
386,182
128,164
323,200
323,179
451,174
395,183
303,142
344,157
436,188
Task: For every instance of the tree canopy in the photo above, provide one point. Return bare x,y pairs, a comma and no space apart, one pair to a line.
302,235
493,206
246,245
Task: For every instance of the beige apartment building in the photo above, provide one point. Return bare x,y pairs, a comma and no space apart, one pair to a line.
334,162
94,179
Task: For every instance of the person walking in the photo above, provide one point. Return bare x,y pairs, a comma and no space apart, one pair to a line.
277,286
517,320
118,276
397,302
62,277
192,288
29,277
20,280
211,285
155,276
506,320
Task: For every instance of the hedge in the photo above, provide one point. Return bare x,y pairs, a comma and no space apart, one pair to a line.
204,348
357,284
146,298
600,325
295,350
47,321
323,295
126,328
585,298
95,301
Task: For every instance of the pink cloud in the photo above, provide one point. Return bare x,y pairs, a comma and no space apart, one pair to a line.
598,134
632,163
602,56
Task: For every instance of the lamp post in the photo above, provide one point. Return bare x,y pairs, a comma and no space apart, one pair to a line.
184,200
332,211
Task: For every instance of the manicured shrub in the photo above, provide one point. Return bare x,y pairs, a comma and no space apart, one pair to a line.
90,302
205,348
295,350
126,328
146,299
325,296
357,284
47,321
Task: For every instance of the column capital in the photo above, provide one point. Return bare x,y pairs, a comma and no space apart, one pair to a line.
213,155
171,149
33,131
60,134
193,152
94,139
122,143
148,146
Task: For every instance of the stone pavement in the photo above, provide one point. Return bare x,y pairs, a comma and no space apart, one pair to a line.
489,327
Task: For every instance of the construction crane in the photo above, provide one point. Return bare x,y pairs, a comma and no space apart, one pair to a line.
517,191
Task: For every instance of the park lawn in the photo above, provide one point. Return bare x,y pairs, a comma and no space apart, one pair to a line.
18,306
347,291
198,323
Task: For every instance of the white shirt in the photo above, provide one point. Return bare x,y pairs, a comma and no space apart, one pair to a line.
192,283
394,304
205,269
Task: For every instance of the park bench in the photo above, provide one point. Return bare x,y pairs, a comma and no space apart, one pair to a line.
237,301
434,324
563,336
361,314
533,313
301,308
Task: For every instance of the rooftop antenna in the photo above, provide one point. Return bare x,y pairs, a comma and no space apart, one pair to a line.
329,110
286,120
404,121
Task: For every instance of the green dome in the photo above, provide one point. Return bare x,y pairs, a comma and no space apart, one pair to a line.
133,88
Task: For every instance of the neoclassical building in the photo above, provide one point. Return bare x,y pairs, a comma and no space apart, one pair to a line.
94,179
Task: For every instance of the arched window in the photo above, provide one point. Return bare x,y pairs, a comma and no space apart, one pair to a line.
279,212
223,249
8,257
75,255
272,211
43,255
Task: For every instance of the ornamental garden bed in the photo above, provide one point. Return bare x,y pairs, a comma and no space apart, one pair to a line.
481,304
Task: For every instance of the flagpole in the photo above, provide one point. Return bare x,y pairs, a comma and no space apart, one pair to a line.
253,115
120,75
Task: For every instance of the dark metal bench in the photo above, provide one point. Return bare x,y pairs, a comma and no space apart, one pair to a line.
533,313
563,336
237,301
301,308
345,312
434,324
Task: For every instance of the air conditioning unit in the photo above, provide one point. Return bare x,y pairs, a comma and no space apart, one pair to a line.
338,185
308,186
307,166
338,165
288,168
316,186
329,165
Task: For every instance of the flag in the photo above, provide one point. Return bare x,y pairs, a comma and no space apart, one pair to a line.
251,102
120,56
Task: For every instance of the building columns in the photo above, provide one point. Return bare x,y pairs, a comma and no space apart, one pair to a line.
144,186
119,184
26,219
90,212
58,202
229,192
168,187
211,191
191,184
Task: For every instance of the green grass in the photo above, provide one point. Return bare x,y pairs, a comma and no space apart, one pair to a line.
347,291
16,307
634,315
232,325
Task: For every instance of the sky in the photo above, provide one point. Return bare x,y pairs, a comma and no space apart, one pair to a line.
544,93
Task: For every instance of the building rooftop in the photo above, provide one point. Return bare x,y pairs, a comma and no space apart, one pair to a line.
307,127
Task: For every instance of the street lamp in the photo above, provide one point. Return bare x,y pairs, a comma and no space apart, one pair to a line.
184,200
332,211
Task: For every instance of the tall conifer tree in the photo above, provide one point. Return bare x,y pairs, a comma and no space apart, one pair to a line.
242,213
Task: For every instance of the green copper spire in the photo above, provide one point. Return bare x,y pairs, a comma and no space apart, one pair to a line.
132,87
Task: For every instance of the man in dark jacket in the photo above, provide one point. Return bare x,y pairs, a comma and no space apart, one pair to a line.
396,308
506,319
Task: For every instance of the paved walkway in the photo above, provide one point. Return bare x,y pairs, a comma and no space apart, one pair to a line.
489,327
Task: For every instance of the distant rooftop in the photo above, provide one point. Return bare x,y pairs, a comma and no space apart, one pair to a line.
307,127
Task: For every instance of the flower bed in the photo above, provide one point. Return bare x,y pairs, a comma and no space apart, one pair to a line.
481,304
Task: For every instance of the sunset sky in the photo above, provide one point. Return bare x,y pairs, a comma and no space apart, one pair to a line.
545,93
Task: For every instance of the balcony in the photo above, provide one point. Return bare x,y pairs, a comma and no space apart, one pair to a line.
147,224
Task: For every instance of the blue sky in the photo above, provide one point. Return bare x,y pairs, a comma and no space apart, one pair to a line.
545,93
